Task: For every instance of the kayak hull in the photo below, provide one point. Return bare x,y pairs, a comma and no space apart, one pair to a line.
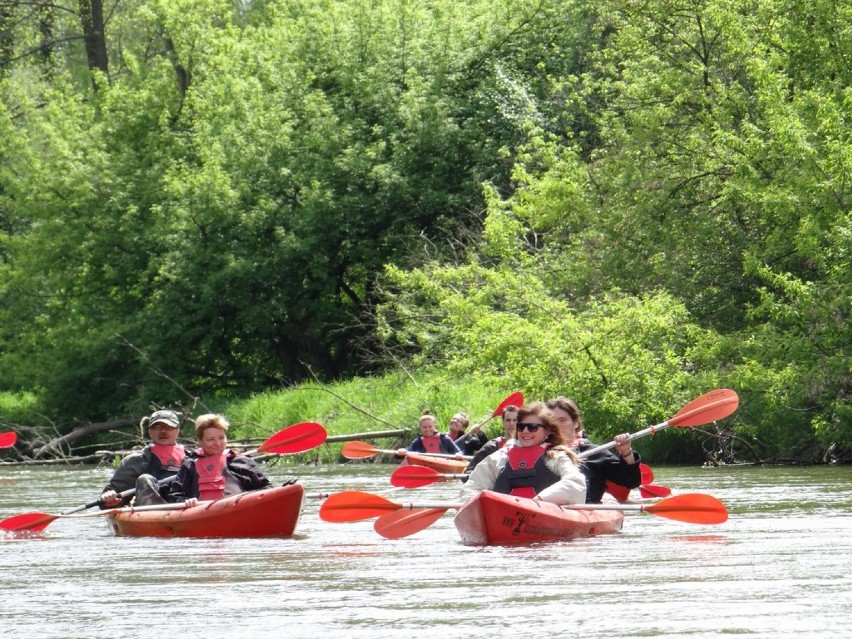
496,519
440,464
273,512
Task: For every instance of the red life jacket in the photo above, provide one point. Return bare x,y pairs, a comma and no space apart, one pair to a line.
501,441
170,456
211,477
526,473
432,444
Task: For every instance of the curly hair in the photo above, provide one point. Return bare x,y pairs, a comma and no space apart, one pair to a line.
209,420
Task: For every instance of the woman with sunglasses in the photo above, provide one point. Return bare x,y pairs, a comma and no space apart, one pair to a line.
536,464
621,469
144,470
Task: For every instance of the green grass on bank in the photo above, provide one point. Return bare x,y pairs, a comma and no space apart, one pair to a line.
364,405
18,408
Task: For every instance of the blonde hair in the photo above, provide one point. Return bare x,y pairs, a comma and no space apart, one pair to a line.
209,420
427,415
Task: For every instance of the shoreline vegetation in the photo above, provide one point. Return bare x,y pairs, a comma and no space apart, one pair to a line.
382,410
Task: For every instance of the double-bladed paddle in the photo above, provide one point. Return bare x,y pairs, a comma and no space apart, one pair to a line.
297,438
398,520
363,450
709,407
8,440
692,508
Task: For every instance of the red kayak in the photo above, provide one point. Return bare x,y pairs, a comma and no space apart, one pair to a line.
273,512
441,464
492,518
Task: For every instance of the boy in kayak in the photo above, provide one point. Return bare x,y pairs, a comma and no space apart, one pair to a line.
622,469
144,470
212,471
536,464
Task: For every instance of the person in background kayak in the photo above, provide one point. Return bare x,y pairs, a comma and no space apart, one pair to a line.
143,470
468,443
510,418
430,440
536,464
621,468
212,471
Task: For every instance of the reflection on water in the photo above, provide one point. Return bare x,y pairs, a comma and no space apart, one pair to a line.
777,568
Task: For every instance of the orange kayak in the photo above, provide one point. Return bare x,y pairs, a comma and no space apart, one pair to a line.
273,512
492,518
441,464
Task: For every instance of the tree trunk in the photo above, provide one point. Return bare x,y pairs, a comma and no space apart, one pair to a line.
92,19
56,445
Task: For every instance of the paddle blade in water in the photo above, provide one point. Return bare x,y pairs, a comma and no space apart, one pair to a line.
8,439
414,476
33,522
654,490
693,508
353,505
646,473
710,407
403,523
297,438
621,493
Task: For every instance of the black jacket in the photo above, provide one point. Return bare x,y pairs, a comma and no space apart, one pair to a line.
606,466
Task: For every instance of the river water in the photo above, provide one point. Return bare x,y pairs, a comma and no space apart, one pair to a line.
779,567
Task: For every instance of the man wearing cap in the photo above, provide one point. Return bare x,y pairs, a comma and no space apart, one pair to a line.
143,470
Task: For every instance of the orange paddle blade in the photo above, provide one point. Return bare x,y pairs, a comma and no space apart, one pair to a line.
515,399
654,490
8,439
297,438
415,476
402,523
693,508
621,493
32,522
359,450
353,505
710,407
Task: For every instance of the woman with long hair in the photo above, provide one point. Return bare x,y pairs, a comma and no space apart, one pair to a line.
536,464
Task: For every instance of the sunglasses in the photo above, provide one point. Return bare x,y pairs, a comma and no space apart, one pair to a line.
528,426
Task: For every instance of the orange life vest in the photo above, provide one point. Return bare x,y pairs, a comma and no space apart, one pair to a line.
211,477
170,456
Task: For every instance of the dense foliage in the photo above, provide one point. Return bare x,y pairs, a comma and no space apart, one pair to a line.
627,202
